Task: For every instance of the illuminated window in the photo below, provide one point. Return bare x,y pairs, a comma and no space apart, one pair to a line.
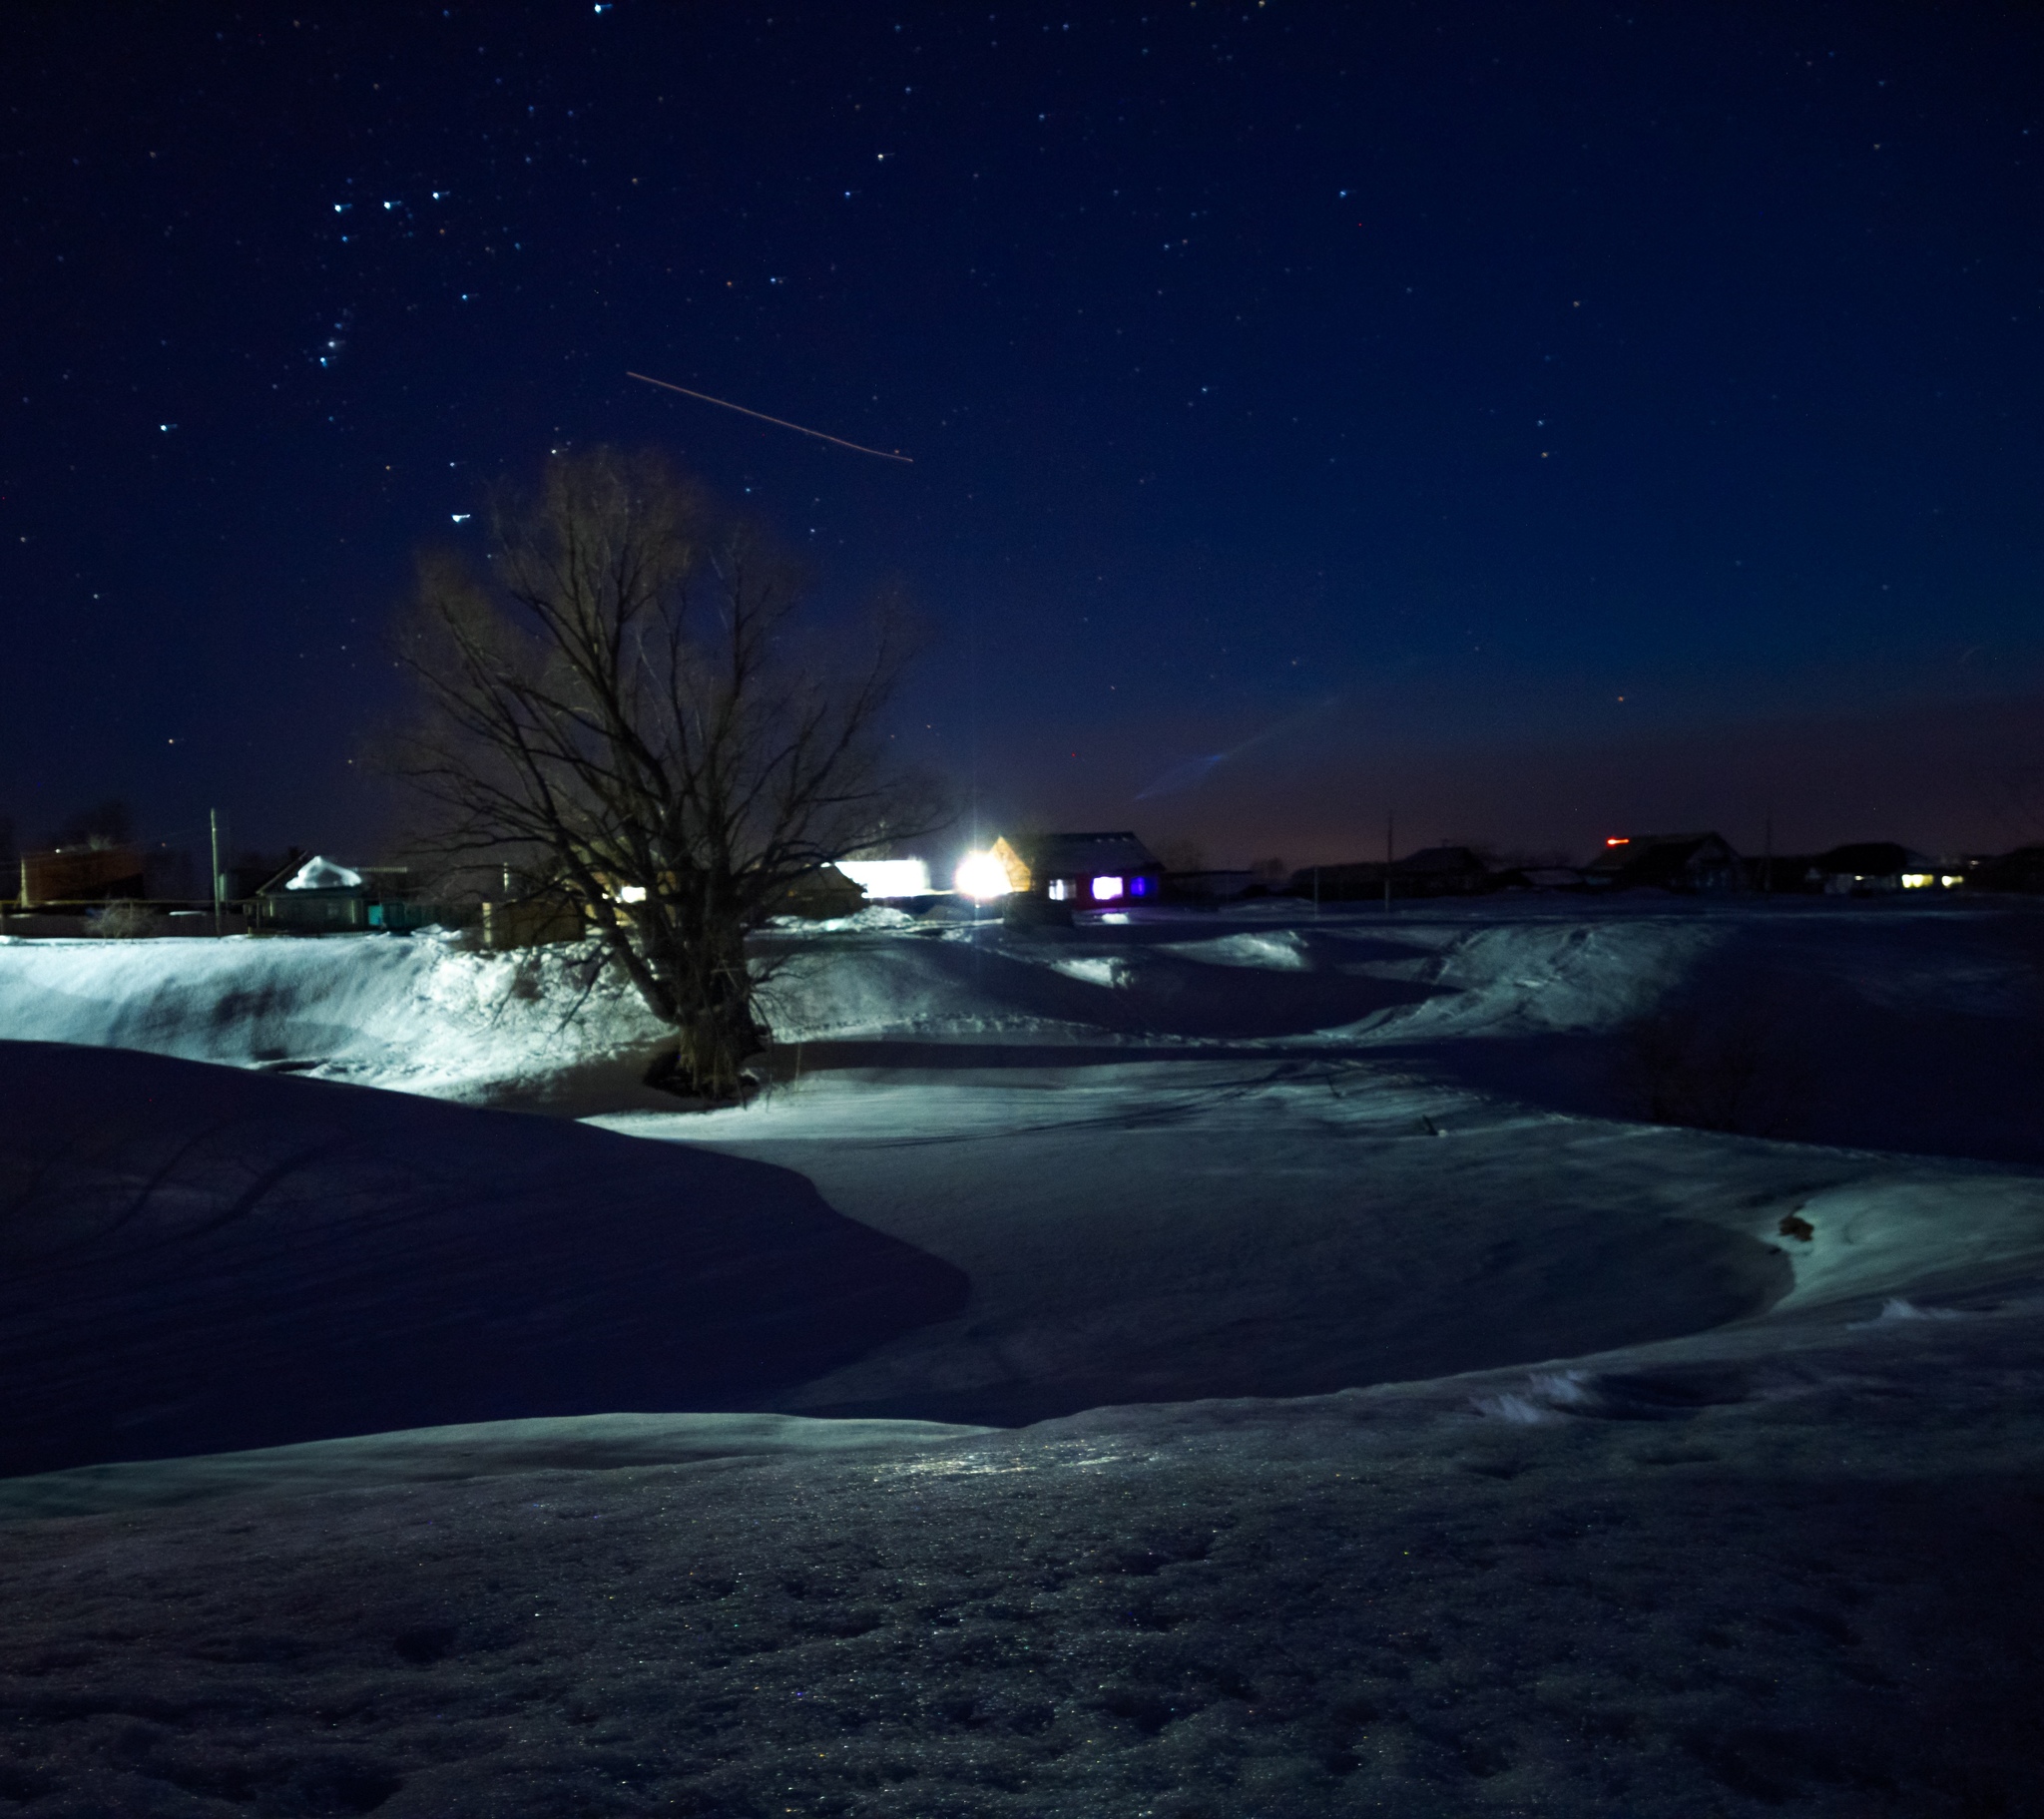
1106,890
1951,879
631,893
1060,889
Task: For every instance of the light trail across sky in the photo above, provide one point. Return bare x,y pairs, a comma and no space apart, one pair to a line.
886,454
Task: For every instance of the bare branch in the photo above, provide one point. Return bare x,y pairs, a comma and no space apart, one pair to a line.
619,699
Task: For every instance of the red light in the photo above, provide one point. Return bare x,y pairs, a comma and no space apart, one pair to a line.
1619,840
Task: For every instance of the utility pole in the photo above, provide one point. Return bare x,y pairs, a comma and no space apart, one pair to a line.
1390,827
213,817
1767,863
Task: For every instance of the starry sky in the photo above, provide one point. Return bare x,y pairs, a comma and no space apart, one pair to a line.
1532,421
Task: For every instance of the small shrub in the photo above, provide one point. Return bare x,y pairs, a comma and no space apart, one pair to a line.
124,922
1717,1064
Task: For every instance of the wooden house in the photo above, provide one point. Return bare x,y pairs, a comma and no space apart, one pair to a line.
1433,871
822,895
1082,871
1673,863
316,897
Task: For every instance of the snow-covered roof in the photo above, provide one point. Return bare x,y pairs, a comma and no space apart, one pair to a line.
322,874
1085,855
881,878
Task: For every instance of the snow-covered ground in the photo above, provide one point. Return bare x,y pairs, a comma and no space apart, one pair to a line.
420,1013
1356,1407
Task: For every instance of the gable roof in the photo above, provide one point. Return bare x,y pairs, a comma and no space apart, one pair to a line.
1431,860
1872,859
1084,855
1660,852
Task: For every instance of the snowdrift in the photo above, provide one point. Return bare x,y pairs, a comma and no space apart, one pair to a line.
421,1014
1177,1155
1742,1516
198,1260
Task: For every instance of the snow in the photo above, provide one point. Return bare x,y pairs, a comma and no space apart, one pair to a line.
1739,1589
1187,1229
1353,1408
420,1013
1285,953
881,878
322,874
201,1259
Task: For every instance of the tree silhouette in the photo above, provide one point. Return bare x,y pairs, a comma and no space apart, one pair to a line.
622,705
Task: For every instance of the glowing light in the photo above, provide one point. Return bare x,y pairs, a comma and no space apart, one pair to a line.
882,878
1951,879
1106,890
1619,840
1916,881
631,893
981,877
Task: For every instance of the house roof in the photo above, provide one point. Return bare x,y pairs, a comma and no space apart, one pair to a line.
1663,851
1084,855
320,875
1872,859
1440,859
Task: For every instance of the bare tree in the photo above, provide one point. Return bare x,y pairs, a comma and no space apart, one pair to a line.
622,706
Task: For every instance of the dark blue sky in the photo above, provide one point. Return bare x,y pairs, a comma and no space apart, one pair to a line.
1538,419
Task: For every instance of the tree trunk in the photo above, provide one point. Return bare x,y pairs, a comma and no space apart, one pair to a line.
707,982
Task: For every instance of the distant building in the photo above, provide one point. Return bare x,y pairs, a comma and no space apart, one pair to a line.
81,874
1433,871
320,896
1085,871
1875,867
315,897
1441,872
1211,886
1673,863
2021,870
823,896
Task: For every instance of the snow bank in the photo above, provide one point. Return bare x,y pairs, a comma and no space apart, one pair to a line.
421,1014
1283,951
1900,1030
1515,979
197,1259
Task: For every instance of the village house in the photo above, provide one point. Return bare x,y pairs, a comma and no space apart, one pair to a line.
1431,872
1673,863
1081,871
1877,867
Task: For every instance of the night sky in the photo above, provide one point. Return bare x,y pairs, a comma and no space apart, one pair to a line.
1539,420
